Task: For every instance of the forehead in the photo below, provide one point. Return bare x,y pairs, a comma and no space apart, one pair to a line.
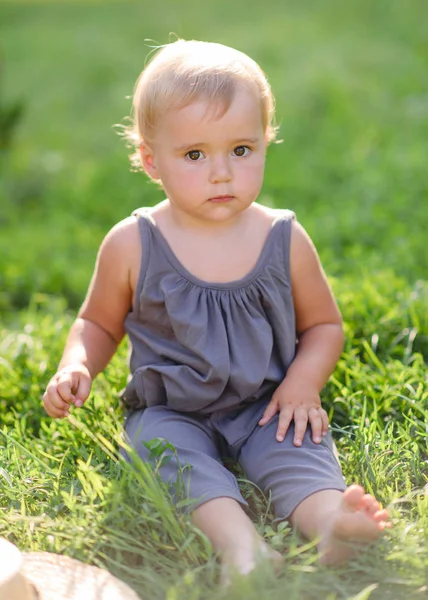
213,121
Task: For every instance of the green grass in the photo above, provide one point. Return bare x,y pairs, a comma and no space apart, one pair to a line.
351,97
64,489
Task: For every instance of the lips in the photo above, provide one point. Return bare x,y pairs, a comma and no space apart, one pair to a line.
221,199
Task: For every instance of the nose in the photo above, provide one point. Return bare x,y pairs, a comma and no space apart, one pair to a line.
220,170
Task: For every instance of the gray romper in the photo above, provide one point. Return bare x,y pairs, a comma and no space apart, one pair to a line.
205,361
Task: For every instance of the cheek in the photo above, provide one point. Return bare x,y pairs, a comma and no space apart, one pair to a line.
181,176
252,173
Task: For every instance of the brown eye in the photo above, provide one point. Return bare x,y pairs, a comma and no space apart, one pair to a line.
194,155
241,150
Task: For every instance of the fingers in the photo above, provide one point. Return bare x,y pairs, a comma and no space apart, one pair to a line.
316,417
300,424
64,389
324,420
270,411
53,404
59,396
83,391
318,420
285,418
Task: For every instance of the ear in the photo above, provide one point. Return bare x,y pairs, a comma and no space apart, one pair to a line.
148,160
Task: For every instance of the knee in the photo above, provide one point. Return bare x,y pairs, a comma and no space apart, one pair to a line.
143,434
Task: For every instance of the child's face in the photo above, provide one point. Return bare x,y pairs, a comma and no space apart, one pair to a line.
211,168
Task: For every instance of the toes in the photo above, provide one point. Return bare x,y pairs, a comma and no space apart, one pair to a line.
353,497
381,515
370,504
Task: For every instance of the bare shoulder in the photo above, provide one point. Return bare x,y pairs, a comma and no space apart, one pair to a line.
264,213
302,248
159,209
123,236
121,250
263,217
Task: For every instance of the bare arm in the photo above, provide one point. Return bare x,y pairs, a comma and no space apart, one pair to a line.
318,320
99,326
318,351
320,343
88,344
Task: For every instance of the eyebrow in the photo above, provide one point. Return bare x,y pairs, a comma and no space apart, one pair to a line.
237,142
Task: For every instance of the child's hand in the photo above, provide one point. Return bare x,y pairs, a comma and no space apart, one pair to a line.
70,385
300,403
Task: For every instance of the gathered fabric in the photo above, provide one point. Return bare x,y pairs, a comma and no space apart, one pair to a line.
204,347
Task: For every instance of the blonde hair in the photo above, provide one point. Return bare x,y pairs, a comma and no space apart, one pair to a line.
187,70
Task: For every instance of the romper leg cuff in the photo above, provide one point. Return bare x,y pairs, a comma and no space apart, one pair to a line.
212,494
284,510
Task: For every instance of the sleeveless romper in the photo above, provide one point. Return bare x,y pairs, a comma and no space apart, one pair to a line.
202,347
205,361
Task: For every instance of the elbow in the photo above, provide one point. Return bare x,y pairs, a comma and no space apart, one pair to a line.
337,333
340,336
331,331
86,322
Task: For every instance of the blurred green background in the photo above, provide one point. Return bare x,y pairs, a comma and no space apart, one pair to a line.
350,80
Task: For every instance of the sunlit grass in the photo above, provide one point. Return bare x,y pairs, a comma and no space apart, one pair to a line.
350,83
64,487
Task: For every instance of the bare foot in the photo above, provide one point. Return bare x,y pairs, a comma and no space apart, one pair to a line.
358,521
244,560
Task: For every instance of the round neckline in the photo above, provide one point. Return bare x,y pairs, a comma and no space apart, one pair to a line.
227,285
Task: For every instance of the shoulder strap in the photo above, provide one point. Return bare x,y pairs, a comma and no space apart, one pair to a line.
284,214
143,220
286,218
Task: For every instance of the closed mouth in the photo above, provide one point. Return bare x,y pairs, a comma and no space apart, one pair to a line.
222,198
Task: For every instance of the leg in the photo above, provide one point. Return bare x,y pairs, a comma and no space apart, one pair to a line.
289,473
342,521
196,461
307,486
232,535
217,510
